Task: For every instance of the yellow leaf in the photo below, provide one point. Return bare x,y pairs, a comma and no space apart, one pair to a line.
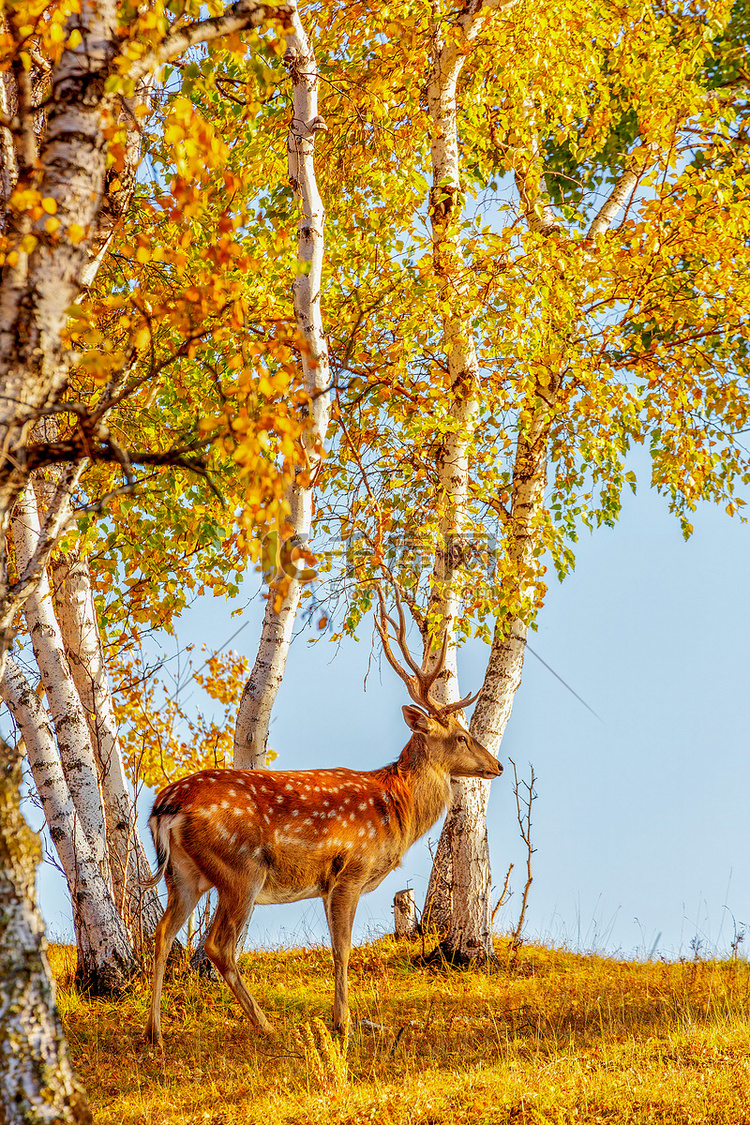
51,225
76,233
49,205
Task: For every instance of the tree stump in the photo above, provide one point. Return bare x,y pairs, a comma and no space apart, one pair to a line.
405,914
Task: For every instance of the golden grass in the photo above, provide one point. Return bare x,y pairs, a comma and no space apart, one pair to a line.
545,1038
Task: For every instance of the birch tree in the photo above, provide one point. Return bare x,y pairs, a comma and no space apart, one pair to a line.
38,1082
254,715
86,350
537,259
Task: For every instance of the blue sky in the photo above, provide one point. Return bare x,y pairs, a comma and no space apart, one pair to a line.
641,820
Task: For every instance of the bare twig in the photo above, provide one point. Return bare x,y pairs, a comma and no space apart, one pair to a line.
524,824
505,894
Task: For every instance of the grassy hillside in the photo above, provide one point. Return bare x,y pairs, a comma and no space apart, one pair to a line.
546,1037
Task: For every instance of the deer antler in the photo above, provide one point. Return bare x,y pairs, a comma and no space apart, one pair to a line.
419,683
449,708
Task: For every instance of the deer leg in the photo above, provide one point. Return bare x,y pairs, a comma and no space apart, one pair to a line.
340,904
229,921
183,895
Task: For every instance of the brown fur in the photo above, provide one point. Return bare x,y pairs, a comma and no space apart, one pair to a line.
263,837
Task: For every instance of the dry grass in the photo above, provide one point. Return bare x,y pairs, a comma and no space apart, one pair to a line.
546,1038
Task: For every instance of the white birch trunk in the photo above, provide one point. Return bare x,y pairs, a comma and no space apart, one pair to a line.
448,57
13,595
466,885
37,1084
8,169
254,714
69,166
458,895
105,956
129,866
71,727
468,876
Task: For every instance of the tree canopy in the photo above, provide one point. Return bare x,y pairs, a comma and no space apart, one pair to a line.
536,257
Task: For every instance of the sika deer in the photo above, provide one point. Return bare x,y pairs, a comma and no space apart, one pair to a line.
262,836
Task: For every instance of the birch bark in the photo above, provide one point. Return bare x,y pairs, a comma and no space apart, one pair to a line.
79,627
37,1085
74,742
455,871
469,933
254,714
69,166
105,956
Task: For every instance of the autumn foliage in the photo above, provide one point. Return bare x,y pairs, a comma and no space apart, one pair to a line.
595,248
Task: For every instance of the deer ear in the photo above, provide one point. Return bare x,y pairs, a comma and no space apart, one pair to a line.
416,719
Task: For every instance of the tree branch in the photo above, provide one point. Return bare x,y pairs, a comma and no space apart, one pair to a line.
239,17
55,522
50,453
618,196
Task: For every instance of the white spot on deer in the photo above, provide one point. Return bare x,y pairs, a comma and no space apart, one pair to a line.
372,832
361,832
363,806
225,804
326,804
289,788
351,816
279,800
308,821
238,811
232,792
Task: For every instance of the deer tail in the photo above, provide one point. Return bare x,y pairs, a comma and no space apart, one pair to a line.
161,828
